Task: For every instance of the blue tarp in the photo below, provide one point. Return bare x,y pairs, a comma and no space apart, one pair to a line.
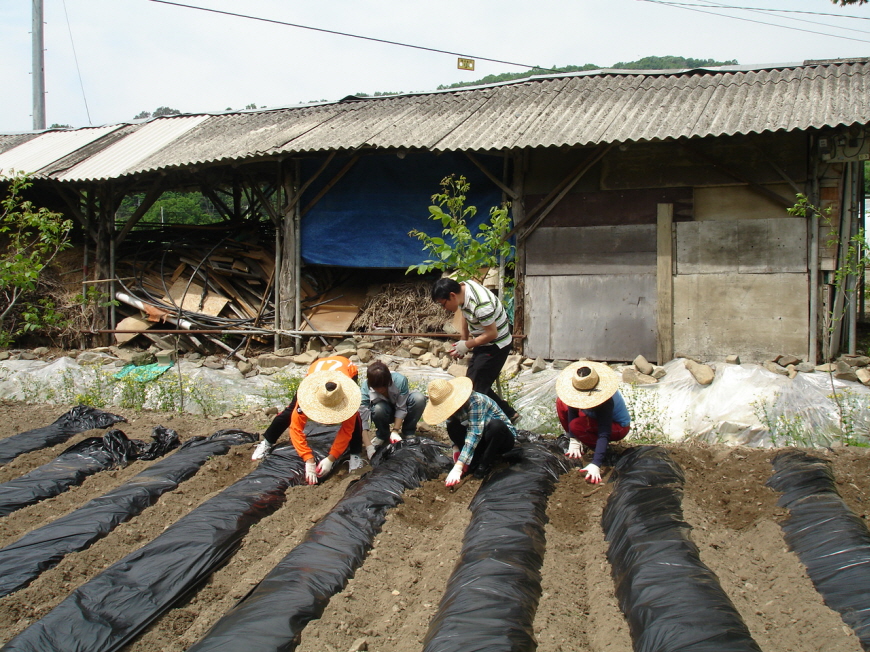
364,220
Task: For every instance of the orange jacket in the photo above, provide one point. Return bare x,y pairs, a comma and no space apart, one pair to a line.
299,419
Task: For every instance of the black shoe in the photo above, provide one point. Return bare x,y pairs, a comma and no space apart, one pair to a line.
482,471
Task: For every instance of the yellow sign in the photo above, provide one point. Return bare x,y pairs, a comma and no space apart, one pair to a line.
465,64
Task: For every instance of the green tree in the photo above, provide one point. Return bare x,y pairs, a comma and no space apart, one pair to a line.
56,125
172,207
468,254
844,3
158,112
32,238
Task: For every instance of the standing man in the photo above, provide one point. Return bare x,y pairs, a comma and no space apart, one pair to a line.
479,430
592,411
485,331
388,403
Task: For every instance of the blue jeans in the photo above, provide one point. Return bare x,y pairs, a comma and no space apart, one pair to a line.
383,411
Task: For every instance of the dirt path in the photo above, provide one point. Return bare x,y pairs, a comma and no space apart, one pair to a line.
396,591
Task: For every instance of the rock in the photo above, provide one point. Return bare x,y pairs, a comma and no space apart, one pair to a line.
365,355
863,375
435,347
446,362
426,358
457,370
303,358
402,352
272,360
846,375
732,359
285,352
791,372
359,645
165,357
314,344
539,365
527,363
365,345
193,356
253,372
512,365
827,368
40,350
658,372
560,364
4,355
417,351
89,357
270,411
848,358
268,371
143,358
688,357
770,365
805,367
786,360
245,367
634,377
27,355
213,364
643,366
703,373
346,345
842,366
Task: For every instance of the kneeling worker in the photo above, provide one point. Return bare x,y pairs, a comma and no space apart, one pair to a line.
478,428
389,403
328,395
592,411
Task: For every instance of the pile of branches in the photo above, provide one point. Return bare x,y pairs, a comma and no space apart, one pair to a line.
402,308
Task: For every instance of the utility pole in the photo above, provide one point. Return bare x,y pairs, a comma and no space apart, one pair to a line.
38,68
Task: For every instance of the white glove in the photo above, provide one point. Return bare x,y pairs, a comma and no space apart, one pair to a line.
370,451
455,474
575,449
460,349
377,441
395,437
593,473
310,472
324,467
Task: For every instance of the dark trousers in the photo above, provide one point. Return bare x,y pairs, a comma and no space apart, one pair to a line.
484,368
281,423
496,440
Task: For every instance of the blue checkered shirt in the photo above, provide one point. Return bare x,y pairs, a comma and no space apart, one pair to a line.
474,415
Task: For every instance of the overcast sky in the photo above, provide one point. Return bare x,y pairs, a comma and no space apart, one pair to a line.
136,55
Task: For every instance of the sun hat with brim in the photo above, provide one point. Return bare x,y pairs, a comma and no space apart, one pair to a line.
328,397
445,397
586,391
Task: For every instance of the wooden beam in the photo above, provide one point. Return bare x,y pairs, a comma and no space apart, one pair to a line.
579,172
489,175
329,185
735,174
73,201
289,208
664,283
152,196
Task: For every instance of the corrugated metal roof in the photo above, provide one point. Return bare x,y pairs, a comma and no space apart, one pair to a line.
115,160
38,152
8,141
577,109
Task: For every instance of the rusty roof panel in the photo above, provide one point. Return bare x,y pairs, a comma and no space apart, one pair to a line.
38,152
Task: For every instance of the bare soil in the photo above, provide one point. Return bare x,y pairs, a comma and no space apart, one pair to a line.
394,594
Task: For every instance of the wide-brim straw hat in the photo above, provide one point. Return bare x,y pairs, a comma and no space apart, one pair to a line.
445,397
589,391
325,403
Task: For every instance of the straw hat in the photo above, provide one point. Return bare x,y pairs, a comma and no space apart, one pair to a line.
586,391
445,397
328,397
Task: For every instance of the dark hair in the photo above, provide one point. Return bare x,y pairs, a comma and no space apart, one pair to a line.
444,287
378,375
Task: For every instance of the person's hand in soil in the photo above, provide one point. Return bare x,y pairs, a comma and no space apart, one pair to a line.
310,472
593,473
455,474
575,449
325,466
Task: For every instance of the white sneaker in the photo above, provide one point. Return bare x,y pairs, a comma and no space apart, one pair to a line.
355,462
371,450
377,442
262,449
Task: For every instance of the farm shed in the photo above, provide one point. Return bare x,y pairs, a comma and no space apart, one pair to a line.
649,206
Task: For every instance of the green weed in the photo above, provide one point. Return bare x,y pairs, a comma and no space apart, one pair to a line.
647,415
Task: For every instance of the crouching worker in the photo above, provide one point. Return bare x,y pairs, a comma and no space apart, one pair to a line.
591,411
328,396
390,405
478,428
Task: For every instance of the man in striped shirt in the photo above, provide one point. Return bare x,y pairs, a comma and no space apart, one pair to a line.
485,331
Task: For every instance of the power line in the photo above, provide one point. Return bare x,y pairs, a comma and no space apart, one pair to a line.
719,5
76,59
780,11
364,38
750,20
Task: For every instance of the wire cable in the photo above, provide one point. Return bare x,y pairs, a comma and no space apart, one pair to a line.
717,5
364,38
749,20
76,59
778,11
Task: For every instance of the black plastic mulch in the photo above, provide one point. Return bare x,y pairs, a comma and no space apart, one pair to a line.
41,549
298,589
830,539
108,611
671,600
79,419
493,593
76,463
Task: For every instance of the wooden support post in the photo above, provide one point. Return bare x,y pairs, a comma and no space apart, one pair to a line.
664,283
518,212
489,175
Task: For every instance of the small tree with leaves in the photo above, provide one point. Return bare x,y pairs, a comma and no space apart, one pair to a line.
469,255
31,238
